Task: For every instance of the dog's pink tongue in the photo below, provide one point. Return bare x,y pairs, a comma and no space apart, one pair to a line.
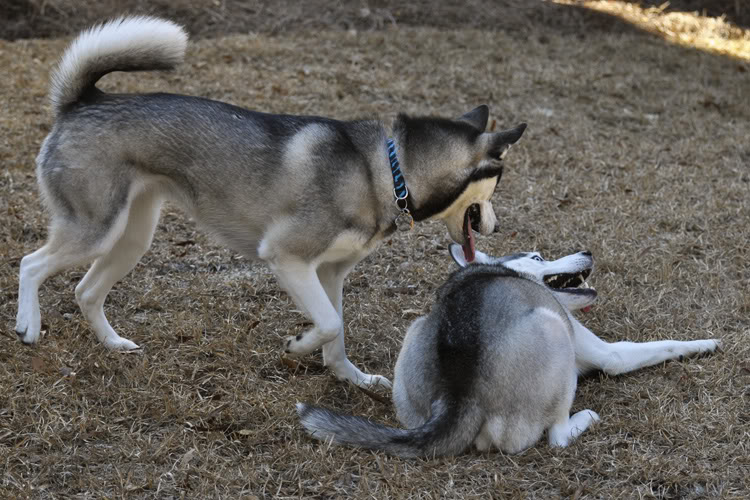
586,309
468,247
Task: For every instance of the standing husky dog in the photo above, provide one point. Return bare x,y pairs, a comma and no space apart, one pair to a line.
310,196
496,362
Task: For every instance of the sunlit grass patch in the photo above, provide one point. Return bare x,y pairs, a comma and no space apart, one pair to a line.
712,34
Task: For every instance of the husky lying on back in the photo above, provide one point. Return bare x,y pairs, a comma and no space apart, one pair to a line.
310,196
496,362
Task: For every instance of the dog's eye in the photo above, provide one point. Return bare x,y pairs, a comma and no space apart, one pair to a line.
537,258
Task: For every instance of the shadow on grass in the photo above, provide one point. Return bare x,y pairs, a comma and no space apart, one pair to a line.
206,18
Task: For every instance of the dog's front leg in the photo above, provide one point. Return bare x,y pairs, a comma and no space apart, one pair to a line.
301,281
622,357
332,276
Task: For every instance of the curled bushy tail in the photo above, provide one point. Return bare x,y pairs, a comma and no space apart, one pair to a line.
137,43
448,431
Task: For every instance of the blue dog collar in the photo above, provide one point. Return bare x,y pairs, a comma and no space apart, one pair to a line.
404,220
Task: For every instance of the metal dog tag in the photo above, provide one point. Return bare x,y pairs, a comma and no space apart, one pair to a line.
404,222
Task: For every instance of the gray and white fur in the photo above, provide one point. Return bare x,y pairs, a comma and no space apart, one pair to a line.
495,363
310,196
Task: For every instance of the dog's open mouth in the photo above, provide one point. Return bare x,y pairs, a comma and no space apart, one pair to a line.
472,219
567,280
573,283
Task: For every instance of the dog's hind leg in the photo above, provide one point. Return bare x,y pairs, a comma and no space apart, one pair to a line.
509,434
142,217
331,276
622,357
67,246
483,441
566,428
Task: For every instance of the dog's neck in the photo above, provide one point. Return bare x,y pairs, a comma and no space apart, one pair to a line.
415,173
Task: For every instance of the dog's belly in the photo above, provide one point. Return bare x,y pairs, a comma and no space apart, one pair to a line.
348,246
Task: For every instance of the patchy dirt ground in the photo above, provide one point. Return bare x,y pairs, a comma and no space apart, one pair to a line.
636,150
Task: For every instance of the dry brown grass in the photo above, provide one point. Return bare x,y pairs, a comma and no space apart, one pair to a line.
636,149
211,18
690,29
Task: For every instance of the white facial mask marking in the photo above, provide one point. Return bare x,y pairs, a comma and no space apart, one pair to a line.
476,192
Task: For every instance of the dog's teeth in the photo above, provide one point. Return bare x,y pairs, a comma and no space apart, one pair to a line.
585,285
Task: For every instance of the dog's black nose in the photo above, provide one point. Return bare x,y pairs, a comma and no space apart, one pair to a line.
586,253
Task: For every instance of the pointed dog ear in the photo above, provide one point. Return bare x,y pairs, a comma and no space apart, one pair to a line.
502,141
457,252
477,117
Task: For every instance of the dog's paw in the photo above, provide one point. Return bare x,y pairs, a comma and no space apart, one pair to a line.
708,347
698,347
345,370
26,336
307,342
371,381
589,415
120,344
295,346
562,434
28,330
